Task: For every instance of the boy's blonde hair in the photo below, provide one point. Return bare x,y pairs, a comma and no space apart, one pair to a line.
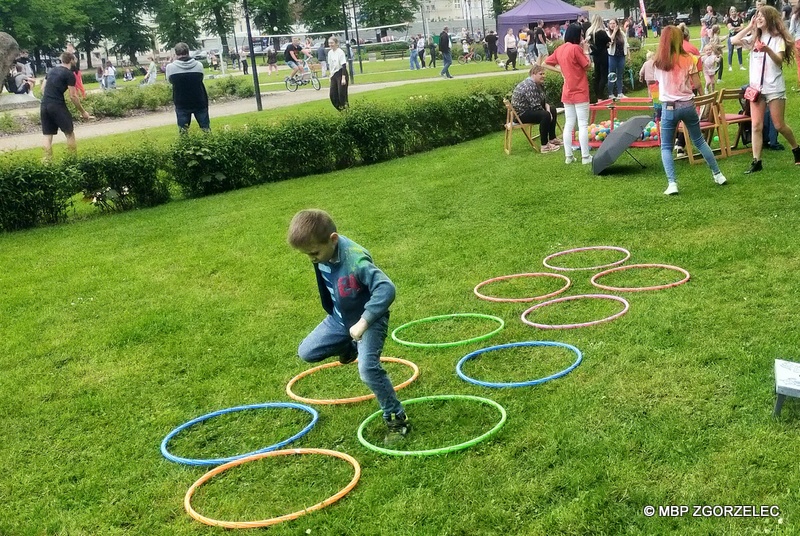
650,55
309,227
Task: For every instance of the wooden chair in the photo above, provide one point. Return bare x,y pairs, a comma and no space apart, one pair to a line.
731,117
513,123
709,123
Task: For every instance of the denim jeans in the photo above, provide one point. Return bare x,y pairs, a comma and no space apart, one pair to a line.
730,53
185,118
413,60
669,123
331,338
616,64
448,60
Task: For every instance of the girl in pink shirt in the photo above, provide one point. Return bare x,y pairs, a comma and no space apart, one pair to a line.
572,61
676,74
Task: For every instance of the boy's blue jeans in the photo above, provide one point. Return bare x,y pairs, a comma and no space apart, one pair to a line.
331,338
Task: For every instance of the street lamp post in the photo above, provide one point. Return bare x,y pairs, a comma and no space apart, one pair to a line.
252,54
358,41
483,20
347,38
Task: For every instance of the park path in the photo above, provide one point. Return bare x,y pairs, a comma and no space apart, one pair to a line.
269,100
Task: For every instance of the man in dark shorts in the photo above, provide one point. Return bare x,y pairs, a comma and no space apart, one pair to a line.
54,112
292,58
188,91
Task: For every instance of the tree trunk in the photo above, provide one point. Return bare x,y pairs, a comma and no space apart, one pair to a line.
222,31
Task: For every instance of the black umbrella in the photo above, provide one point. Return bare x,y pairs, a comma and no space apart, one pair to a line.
618,141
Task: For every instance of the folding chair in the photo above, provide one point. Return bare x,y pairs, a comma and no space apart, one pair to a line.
513,123
728,119
709,123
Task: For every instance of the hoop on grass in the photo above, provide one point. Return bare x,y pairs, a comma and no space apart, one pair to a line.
460,372
217,461
441,450
332,401
581,324
447,344
589,248
686,277
518,300
187,501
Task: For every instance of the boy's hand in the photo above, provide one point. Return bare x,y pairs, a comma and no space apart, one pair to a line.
358,329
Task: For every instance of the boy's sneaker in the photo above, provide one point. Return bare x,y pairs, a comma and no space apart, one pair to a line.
569,160
397,428
755,167
730,68
719,178
742,68
350,354
672,189
796,153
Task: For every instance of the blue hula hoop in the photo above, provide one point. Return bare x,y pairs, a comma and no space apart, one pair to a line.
219,461
514,345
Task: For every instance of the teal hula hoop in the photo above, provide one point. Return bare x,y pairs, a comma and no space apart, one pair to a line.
442,450
447,344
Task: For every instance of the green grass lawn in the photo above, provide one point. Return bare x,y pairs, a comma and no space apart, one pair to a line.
118,329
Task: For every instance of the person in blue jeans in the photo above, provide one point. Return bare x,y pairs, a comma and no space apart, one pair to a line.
188,91
676,73
356,294
444,48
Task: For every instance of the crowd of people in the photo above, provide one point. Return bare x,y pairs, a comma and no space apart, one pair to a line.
673,73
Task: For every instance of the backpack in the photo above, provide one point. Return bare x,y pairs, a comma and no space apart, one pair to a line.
11,84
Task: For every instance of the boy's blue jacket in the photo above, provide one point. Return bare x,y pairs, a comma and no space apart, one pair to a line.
360,288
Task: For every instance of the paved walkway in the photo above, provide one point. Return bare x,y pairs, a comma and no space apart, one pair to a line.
269,100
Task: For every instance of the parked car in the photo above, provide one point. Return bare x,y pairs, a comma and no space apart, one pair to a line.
685,18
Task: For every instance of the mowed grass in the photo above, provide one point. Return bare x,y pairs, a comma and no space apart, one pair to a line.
118,329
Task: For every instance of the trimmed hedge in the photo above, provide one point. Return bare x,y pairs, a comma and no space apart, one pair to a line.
33,193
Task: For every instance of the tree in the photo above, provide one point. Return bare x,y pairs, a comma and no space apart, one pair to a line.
270,14
323,15
381,12
98,18
177,22
216,17
130,34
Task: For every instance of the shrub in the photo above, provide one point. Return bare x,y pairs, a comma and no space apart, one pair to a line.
33,193
9,124
121,181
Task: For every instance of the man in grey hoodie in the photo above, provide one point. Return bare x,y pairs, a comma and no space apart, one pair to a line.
188,92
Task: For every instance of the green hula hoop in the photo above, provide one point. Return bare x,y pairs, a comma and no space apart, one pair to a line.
447,344
442,450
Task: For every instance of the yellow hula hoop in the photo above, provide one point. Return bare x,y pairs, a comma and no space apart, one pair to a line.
187,501
352,400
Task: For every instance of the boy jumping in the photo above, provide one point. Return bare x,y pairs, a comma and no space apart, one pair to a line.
356,294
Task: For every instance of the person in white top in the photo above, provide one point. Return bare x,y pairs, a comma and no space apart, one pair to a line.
676,73
794,29
510,43
110,76
766,37
337,64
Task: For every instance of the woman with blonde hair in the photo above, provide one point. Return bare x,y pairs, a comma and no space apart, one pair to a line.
676,74
767,38
598,40
529,101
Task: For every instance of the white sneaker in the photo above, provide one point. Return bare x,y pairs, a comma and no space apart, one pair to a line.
621,96
742,68
672,189
719,178
570,159
730,68
586,160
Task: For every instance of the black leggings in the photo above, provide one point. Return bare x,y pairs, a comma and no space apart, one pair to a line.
600,80
512,58
546,121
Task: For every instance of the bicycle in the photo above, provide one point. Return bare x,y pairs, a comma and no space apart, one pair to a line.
309,76
463,59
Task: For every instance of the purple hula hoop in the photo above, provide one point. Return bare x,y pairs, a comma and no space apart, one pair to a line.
589,248
582,324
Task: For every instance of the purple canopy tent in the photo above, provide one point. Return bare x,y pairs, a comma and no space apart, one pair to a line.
527,14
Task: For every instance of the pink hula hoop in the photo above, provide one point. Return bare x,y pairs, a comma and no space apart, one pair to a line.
640,289
582,324
518,300
589,248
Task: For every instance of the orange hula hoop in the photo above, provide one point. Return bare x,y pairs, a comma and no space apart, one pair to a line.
187,501
352,400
